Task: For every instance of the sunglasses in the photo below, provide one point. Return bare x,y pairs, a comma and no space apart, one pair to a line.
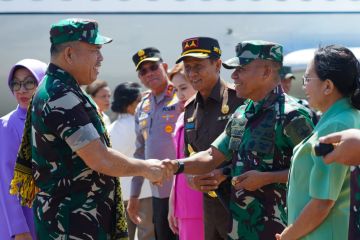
152,68
29,84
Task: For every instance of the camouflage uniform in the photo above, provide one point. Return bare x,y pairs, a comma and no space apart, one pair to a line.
354,225
74,201
260,136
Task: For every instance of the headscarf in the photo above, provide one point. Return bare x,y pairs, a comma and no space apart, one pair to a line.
36,67
22,180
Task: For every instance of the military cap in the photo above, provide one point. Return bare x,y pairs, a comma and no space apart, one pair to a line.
76,29
286,73
248,51
200,47
147,54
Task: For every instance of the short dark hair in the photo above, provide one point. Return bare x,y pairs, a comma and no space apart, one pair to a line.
95,86
55,49
124,95
339,64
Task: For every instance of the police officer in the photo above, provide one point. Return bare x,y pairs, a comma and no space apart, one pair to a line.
259,139
206,115
155,120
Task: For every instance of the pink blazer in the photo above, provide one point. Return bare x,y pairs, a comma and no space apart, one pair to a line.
188,202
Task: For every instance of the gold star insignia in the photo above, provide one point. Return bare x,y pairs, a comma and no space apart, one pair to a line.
141,53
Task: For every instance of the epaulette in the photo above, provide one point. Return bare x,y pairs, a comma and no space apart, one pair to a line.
191,99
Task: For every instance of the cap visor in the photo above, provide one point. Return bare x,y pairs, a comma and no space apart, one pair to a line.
102,39
290,75
231,63
195,55
153,59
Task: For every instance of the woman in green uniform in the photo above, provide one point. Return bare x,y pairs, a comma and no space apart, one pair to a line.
319,194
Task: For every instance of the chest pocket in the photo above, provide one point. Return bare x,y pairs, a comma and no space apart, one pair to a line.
262,134
236,129
256,149
166,119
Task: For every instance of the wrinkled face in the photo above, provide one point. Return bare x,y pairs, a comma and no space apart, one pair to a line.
286,84
314,87
202,73
87,60
249,79
102,99
153,75
183,88
23,85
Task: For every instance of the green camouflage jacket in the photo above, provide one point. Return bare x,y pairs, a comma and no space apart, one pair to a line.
261,136
74,202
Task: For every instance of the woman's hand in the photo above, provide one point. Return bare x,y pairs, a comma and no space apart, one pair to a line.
284,235
23,236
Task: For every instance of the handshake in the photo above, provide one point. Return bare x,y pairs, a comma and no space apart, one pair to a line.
157,171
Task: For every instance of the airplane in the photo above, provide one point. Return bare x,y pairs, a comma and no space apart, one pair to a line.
136,24
298,61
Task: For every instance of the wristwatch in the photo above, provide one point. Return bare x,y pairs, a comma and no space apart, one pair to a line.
181,166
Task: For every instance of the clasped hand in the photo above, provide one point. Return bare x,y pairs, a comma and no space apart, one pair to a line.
160,170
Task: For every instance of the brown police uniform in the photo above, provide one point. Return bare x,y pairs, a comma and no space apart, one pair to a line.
204,122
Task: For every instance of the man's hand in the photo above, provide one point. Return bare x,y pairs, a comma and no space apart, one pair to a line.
347,149
207,182
133,210
173,223
251,181
157,172
23,236
170,165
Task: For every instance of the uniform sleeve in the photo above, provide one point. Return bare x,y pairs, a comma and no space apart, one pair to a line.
221,143
137,182
9,204
140,141
66,117
326,180
298,127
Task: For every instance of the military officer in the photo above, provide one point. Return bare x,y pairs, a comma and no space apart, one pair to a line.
206,115
65,162
155,120
258,139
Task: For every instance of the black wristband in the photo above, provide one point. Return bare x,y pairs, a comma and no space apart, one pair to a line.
321,149
181,167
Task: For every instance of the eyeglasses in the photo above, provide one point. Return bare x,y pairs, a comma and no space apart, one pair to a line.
29,84
306,80
152,68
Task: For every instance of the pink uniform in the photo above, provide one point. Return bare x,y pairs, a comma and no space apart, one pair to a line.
188,203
